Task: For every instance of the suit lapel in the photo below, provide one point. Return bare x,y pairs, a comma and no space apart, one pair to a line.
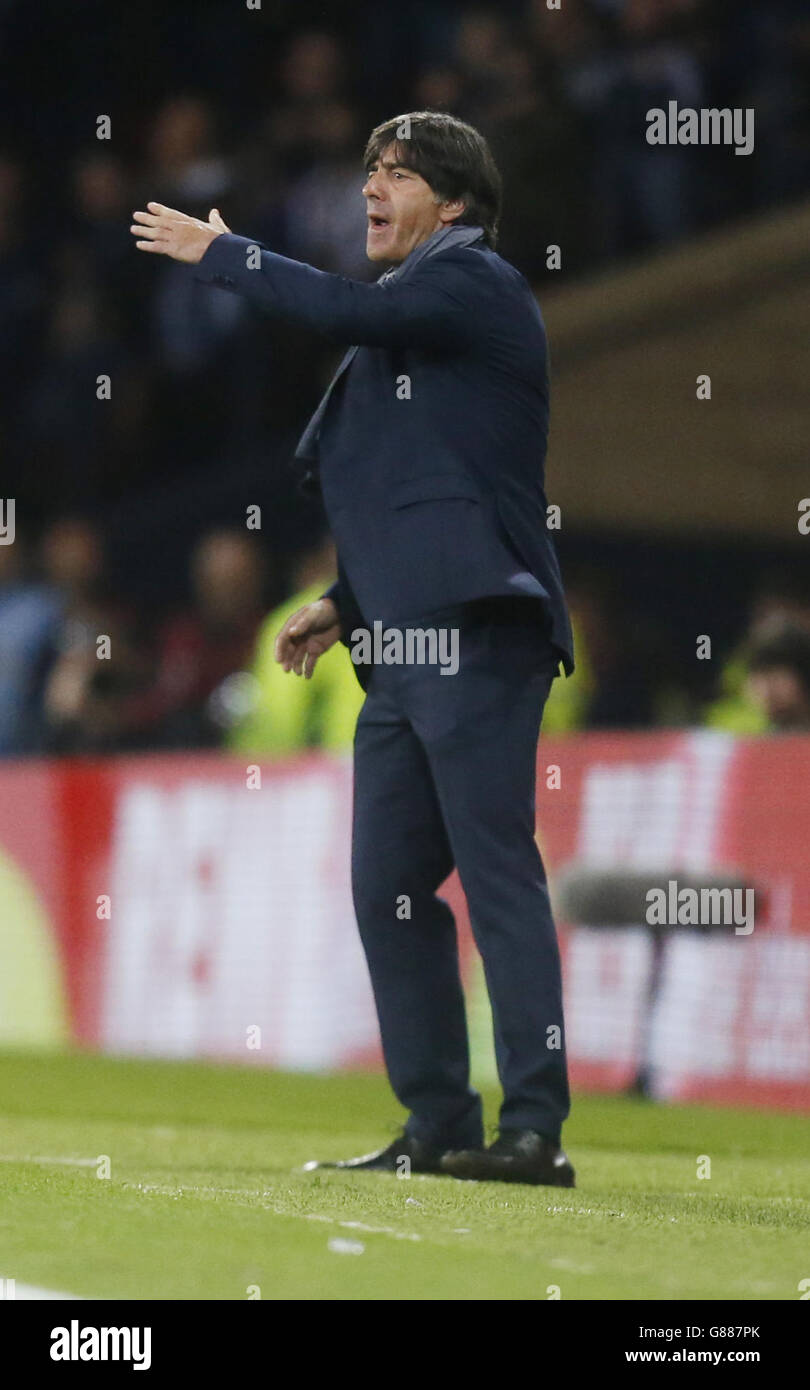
307,449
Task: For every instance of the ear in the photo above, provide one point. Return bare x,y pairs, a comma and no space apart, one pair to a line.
450,210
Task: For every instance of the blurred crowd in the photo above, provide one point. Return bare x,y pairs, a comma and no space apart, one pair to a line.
140,413
81,674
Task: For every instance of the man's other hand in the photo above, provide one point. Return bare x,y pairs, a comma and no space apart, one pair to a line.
167,232
307,635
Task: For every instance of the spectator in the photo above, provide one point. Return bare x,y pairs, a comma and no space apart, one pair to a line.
312,81
73,430
95,659
29,618
779,679
287,715
22,300
645,195
780,601
195,650
186,162
325,211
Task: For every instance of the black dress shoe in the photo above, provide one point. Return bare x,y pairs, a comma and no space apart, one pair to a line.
518,1155
422,1158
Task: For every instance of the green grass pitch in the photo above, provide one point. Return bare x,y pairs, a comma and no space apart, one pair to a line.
205,1199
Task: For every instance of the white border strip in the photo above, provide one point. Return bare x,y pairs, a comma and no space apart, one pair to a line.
12,1290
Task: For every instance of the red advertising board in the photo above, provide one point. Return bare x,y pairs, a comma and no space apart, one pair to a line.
192,906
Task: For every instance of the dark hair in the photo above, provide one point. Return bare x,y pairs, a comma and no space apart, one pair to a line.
782,583
451,156
785,644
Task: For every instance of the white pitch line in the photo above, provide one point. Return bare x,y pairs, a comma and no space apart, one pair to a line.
215,1193
33,1291
351,1225
47,1161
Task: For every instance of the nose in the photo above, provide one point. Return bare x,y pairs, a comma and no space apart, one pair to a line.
370,186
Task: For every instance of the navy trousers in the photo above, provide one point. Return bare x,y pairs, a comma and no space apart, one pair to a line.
444,776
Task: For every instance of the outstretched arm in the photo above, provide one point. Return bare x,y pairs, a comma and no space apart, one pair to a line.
431,308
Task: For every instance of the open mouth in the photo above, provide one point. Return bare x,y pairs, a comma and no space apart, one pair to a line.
376,223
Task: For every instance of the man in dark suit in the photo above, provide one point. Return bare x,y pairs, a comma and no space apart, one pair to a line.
429,449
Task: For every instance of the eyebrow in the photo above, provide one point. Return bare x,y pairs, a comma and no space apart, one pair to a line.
389,164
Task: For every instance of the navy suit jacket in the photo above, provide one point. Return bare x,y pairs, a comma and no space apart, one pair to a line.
432,443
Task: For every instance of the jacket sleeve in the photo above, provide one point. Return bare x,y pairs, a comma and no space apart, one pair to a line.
433,307
342,596
333,592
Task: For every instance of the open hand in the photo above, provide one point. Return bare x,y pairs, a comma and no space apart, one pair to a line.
167,232
307,635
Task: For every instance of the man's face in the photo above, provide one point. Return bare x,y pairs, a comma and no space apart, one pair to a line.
780,693
402,209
